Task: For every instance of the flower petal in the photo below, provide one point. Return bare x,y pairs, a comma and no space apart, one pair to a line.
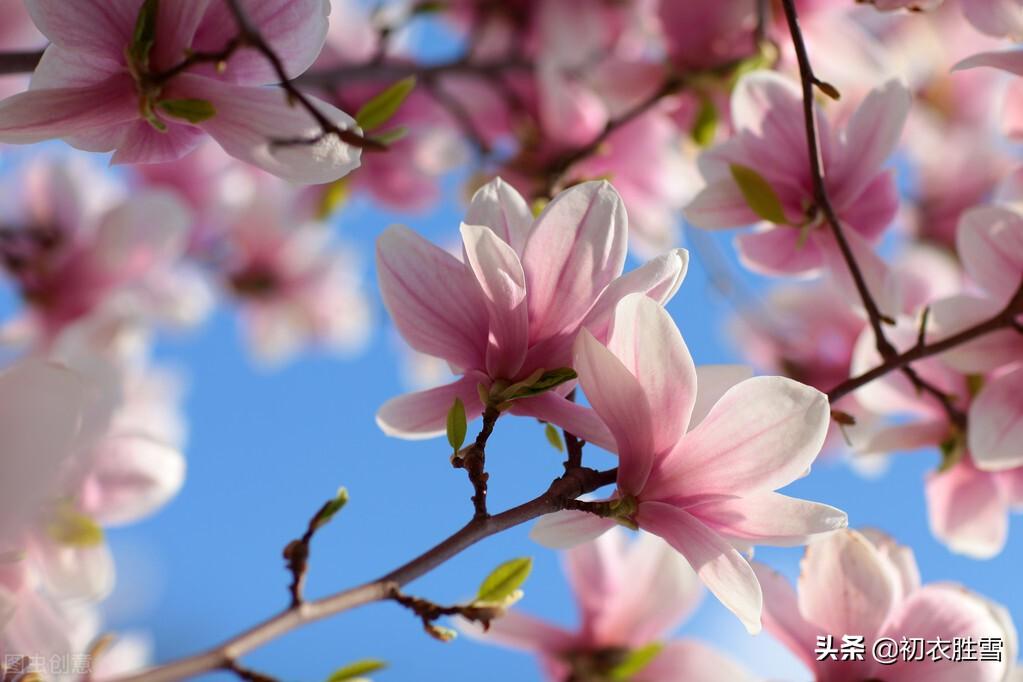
771,519
618,398
420,415
967,512
498,206
94,26
712,382
577,248
565,529
48,114
782,618
990,243
499,273
996,424
518,630
646,340
720,567
132,477
578,420
693,662
433,299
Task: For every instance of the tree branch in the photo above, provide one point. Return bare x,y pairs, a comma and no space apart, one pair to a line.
19,62
473,460
568,487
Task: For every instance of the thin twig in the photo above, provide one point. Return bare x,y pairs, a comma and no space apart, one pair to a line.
19,62
568,487
473,459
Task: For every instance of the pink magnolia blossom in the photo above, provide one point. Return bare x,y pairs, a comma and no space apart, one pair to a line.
998,18
706,33
630,595
770,139
295,287
515,305
103,86
864,583
71,248
699,455
1012,101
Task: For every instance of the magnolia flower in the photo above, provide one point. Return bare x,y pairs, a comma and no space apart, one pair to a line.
707,33
631,595
699,454
863,583
295,288
71,247
770,142
114,79
512,310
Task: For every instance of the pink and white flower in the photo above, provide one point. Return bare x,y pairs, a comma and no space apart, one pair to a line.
516,304
700,454
770,139
112,80
864,583
630,595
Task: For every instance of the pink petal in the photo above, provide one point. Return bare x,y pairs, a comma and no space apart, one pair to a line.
578,420
996,424
1011,61
983,354
139,142
143,234
577,248
499,273
771,519
39,115
248,120
646,340
569,110
999,18
74,573
498,206
295,29
846,585
881,281
595,572
618,398
659,278
132,477
782,618
720,204
518,630
565,529
722,569
656,590
98,27
946,611
871,136
990,244
903,437
776,251
966,511
761,435
434,300
176,26
712,382
41,411
420,415
693,662
870,213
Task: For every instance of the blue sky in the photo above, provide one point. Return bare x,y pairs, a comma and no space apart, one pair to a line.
267,447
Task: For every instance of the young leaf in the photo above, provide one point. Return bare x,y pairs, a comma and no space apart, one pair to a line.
635,661
70,527
553,437
391,136
381,108
330,508
706,123
333,196
144,35
191,110
440,632
456,425
356,670
758,194
504,580
545,382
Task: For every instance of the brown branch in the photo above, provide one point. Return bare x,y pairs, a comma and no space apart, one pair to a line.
808,80
568,487
473,459
1005,319
247,674
429,612
296,553
19,62
390,71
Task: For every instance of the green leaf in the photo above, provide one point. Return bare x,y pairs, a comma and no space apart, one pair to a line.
334,194
381,108
456,425
635,661
546,381
440,632
951,452
356,670
70,527
191,110
391,136
553,437
504,580
330,508
144,36
758,194
706,123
